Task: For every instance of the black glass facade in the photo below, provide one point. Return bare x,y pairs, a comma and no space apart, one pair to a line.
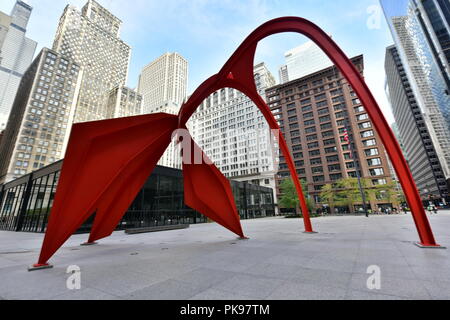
438,21
26,202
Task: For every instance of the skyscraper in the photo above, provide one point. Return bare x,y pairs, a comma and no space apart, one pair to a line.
16,54
423,65
42,114
163,86
233,133
413,131
91,37
304,60
172,156
283,74
162,81
124,102
434,18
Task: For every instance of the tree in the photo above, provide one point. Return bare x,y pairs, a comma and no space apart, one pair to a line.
346,192
349,193
329,194
289,198
390,192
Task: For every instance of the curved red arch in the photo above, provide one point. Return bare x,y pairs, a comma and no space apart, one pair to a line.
238,73
108,161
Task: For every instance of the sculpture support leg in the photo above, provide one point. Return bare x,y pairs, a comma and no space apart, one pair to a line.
298,187
283,146
209,192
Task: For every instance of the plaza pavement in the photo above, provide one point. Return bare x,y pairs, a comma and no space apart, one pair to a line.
206,261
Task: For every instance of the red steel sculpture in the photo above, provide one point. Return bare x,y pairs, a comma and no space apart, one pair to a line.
107,162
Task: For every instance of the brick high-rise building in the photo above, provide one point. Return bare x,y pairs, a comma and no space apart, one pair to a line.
313,113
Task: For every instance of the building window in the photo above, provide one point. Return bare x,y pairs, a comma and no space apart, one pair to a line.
310,130
367,134
359,109
365,125
307,109
356,101
378,182
335,177
334,167
371,152
326,126
319,178
362,117
305,101
374,162
299,163
376,172
324,119
369,143
332,159
317,170
330,150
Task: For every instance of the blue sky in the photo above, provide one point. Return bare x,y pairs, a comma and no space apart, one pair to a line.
207,32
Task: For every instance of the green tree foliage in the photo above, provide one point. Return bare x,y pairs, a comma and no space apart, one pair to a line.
328,195
289,198
390,192
346,192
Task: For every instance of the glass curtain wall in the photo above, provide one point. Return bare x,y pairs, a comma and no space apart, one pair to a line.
25,203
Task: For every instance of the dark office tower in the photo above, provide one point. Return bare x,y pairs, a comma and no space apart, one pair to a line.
434,17
420,29
412,128
314,113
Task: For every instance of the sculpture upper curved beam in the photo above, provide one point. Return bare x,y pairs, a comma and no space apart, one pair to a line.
238,72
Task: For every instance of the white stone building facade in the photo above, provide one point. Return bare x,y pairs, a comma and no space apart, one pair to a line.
233,133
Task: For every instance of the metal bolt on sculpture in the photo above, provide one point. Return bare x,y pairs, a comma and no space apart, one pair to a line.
107,162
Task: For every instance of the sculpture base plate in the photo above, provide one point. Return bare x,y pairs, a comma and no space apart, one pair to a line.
38,266
418,244
88,244
310,232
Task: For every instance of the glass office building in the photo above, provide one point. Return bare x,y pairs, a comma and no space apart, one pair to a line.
421,32
25,203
